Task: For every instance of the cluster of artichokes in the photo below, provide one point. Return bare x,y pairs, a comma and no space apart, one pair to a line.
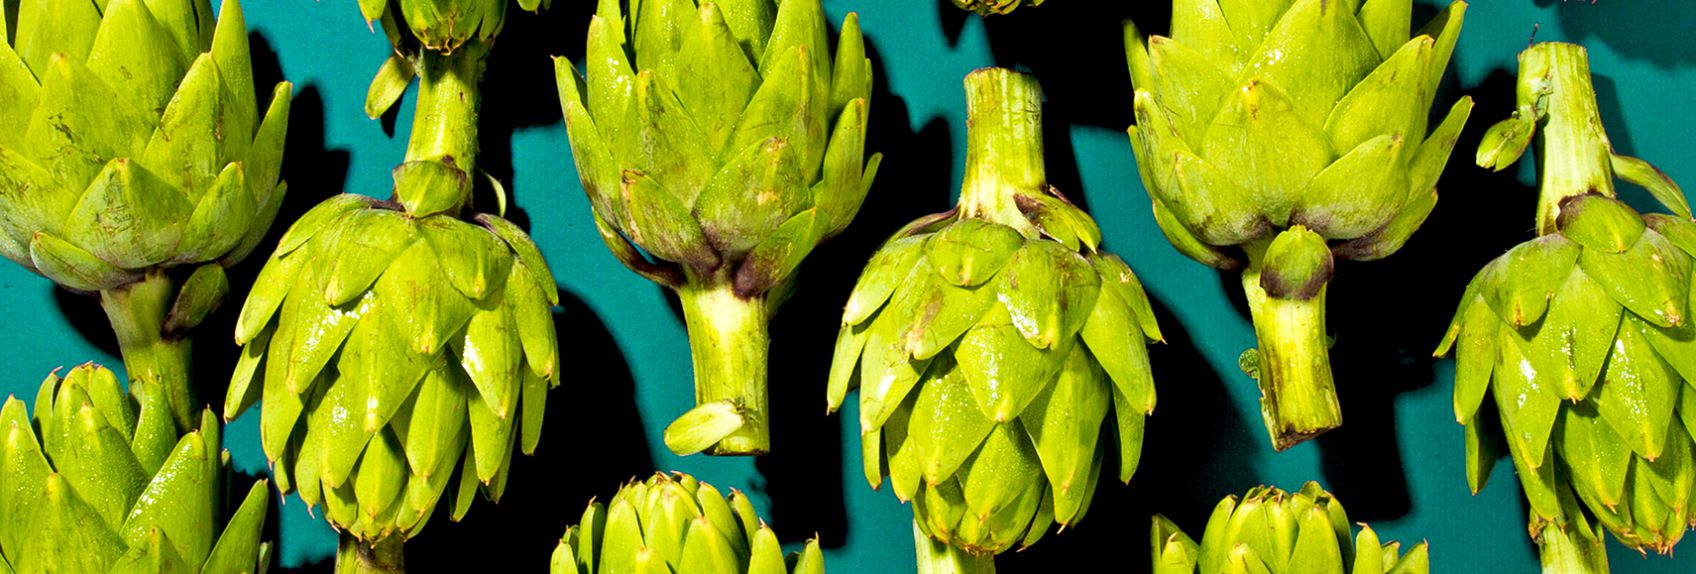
400,346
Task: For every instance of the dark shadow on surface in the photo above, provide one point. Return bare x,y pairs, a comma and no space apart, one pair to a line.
518,91
1196,449
804,468
1388,316
1077,50
953,21
1655,30
592,441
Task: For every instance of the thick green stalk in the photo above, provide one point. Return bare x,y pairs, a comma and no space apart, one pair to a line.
137,313
444,125
728,343
1298,397
1573,151
938,558
1003,146
387,556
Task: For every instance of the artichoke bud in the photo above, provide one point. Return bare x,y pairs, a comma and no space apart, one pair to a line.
1273,530
101,481
674,523
394,352
989,346
139,114
738,120
988,7
1258,120
1583,335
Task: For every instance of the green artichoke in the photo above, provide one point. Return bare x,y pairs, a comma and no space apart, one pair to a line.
677,524
990,342
102,481
1272,531
395,341
1289,133
728,151
987,7
134,164
1583,335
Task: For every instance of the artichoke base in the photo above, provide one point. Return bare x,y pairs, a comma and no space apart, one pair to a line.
137,313
940,558
1292,364
728,345
385,556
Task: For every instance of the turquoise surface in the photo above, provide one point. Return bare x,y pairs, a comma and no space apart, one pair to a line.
1396,463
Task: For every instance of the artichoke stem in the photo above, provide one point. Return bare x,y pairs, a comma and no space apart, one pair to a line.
1003,146
938,558
1572,147
1298,398
1562,550
444,125
728,342
386,556
151,357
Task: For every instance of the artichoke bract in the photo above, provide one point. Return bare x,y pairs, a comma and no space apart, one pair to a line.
1276,136
1583,335
988,7
718,144
102,481
1272,531
401,346
989,344
134,164
677,524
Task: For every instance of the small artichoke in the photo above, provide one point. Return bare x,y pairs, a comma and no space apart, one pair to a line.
134,164
101,481
1289,133
729,149
393,342
677,524
988,7
989,344
1583,335
1270,530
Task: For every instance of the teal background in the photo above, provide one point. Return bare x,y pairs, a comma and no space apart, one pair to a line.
1396,463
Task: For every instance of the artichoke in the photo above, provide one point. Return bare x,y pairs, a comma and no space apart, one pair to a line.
728,151
677,524
102,481
1275,136
1270,530
394,340
1583,335
990,342
987,7
134,165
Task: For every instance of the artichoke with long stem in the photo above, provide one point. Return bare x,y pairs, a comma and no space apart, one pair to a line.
677,524
101,480
134,165
990,343
1276,136
1583,335
405,345
719,142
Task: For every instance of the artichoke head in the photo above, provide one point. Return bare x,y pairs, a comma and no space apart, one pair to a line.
988,7
677,524
1583,336
1252,117
1270,530
101,481
721,139
989,344
389,349
131,141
